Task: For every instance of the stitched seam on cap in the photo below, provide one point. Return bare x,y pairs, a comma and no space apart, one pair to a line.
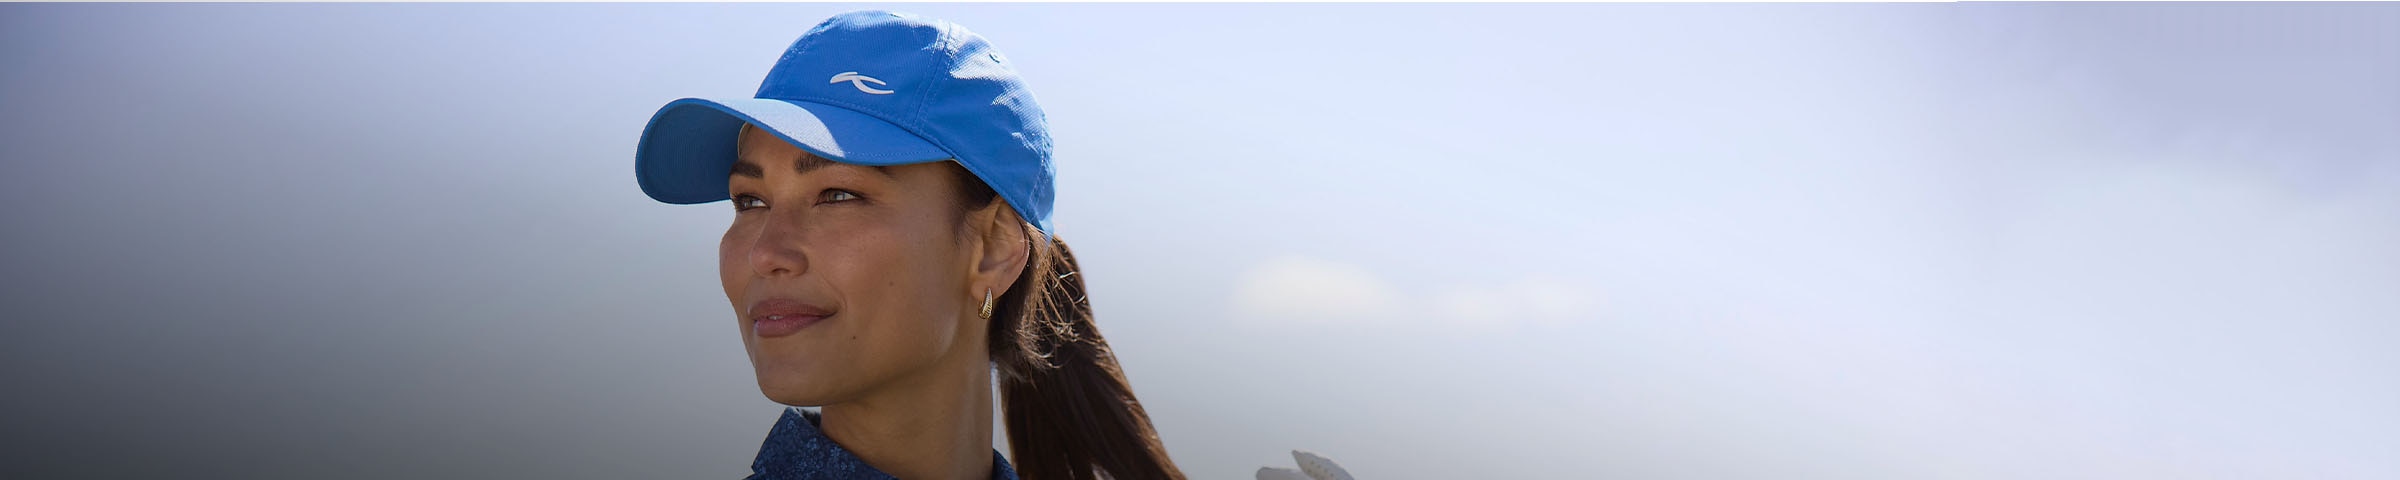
941,41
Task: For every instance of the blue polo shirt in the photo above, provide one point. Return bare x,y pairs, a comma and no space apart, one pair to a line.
797,450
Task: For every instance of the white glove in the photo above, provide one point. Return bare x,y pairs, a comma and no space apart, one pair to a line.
1312,467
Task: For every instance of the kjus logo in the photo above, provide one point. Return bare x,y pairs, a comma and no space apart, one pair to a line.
861,82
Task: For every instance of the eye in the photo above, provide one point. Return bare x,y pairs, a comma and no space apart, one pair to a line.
838,196
745,202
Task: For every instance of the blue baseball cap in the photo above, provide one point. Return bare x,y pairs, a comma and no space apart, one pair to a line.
867,88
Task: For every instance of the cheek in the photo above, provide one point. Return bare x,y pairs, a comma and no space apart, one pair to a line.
904,291
902,285
733,267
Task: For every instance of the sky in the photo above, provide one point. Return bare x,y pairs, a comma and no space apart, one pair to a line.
1428,241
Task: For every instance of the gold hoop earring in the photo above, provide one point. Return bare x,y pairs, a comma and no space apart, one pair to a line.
987,305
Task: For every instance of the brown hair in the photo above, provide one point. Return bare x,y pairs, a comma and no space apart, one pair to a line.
1070,413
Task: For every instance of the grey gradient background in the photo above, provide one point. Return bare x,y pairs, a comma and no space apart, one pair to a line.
1597,241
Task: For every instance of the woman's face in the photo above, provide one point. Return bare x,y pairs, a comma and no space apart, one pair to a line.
867,268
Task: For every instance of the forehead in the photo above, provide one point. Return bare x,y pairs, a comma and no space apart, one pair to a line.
756,145
760,152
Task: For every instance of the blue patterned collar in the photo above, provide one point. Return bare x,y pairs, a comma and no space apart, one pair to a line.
796,450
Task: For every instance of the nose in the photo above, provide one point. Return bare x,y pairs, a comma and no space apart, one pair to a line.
776,251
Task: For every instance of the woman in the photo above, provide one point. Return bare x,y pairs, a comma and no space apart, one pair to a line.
891,245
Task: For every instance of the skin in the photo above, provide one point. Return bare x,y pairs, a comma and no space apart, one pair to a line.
900,367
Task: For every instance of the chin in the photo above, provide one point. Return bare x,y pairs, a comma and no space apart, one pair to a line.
797,394
802,387
790,379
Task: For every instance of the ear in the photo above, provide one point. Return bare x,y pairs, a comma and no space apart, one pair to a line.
1001,249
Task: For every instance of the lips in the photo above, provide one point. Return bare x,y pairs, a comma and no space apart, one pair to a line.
776,317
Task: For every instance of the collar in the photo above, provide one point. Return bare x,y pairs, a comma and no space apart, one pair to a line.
796,450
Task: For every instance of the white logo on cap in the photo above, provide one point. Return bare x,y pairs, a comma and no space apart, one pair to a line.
860,81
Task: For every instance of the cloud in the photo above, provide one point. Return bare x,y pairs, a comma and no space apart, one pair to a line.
1307,290
1531,300
1302,290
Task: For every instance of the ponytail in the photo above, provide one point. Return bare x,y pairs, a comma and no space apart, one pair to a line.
1070,413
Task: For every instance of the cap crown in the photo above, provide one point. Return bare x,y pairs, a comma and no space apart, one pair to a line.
936,80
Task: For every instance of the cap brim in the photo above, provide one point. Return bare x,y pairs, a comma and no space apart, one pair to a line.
688,149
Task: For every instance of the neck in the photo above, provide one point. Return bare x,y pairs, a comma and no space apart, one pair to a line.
934,425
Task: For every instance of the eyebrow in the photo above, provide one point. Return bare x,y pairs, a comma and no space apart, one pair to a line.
803,164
